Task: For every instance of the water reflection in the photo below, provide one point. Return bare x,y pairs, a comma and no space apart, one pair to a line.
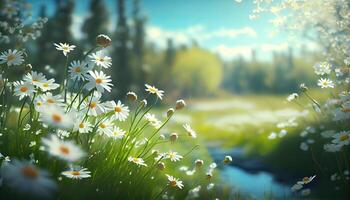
255,185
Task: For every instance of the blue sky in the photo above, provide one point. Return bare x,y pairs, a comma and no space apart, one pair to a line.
222,26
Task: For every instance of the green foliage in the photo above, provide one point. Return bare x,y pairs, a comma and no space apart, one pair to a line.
196,72
282,75
122,73
96,23
138,48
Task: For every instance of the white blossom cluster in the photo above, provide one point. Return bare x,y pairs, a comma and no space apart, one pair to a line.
15,24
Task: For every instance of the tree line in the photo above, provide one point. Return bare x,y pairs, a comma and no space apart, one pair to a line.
186,70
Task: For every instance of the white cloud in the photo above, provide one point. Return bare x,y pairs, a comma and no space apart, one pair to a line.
159,35
245,51
231,33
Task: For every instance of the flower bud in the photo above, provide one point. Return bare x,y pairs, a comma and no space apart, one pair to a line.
144,103
103,41
180,104
28,67
155,152
199,163
161,166
303,87
173,137
170,112
227,159
209,175
131,96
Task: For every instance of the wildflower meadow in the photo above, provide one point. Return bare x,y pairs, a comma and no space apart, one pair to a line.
231,99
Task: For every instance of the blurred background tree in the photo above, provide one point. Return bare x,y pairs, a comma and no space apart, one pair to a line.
184,70
196,72
122,71
96,23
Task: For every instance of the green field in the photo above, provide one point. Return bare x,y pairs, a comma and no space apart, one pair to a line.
238,120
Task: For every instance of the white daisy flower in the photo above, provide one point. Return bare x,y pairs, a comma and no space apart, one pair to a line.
272,136
78,70
160,156
154,90
325,83
64,47
137,161
101,60
105,127
62,133
210,186
342,138
65,150
23,89
82,126
306,180
55,116
322,68
51,100
173,156
38,103
292,97
99,80
34,78
304,146
77,173
305,192
296,187
174,182
117,133
94,105
190,131
121,112
332,147
151,118
48,85
11,57
25,178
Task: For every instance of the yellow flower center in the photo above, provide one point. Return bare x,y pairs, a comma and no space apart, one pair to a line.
117,109
306,179
77,69
56,118
344,137
75,173
39,103
102,125
64,150
30,172
23,89
93,105
11,57
100,59
153,90
98,81
81,125
45,85
65,48
173,183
